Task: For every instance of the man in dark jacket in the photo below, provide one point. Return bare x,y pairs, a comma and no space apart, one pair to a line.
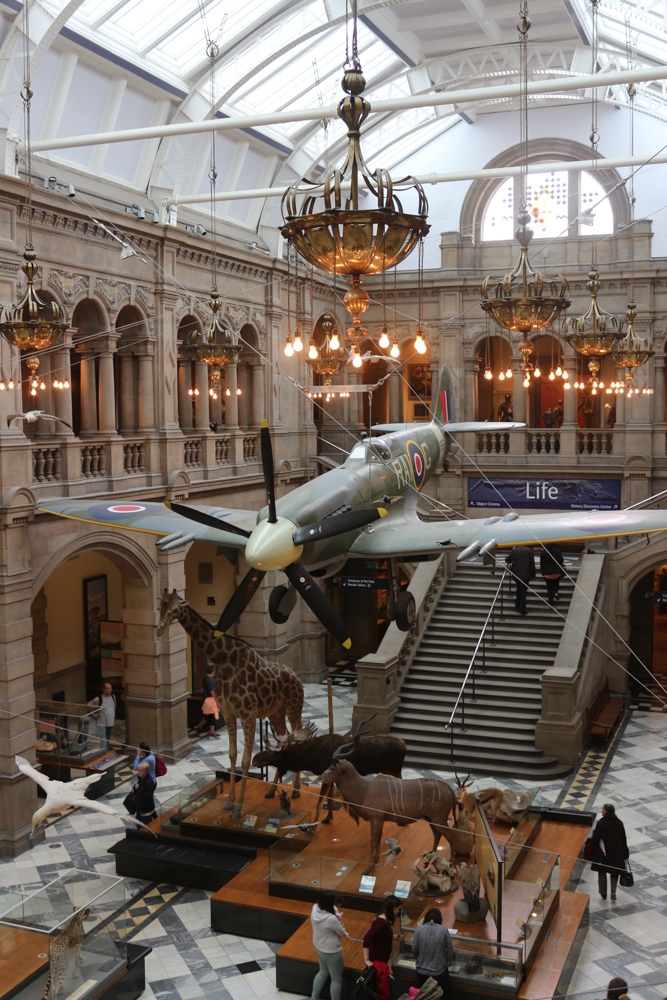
521,562
610,849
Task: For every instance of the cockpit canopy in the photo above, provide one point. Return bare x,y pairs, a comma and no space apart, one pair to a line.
377,450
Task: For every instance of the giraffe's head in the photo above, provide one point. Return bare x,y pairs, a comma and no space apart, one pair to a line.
170,607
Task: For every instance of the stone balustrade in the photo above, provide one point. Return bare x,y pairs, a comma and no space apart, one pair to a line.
46,464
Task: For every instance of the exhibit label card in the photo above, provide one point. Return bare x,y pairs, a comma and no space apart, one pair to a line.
367,883
272,825
249,822
403,889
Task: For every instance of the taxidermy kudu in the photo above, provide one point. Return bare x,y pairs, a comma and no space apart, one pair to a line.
386,799
247,687
304,751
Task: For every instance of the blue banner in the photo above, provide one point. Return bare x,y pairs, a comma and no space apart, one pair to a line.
544,494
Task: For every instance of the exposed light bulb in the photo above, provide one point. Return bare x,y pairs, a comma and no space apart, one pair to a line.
11,383
211,393
228,391
239,392
65,384
312,351
289,349
537,373
34,383
565,374
420,344
42,385
298,343
356,360
559,371
395,350
196,392
33,392
191,391
501,377
488,374
384,337
566,385
594,391
526,383
334,343
56,384
551,375
2,386
600,384
608,392
508,372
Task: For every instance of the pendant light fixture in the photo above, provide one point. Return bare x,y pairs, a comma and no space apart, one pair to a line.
596,332
524,300
30,324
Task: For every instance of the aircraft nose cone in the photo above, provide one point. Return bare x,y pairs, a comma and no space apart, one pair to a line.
271,547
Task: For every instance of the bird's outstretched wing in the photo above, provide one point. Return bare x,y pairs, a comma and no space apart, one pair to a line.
51,416
14,416
84,783
25,767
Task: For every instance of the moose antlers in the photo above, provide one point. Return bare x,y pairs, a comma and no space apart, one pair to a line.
300,737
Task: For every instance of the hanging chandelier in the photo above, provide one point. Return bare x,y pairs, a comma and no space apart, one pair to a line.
524,300
632,353
31,324
332,356
342,238
596,332
217,347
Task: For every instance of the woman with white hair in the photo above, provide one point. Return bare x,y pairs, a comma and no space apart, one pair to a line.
145,790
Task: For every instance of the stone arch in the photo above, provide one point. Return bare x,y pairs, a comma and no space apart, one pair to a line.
115,545
545,150
190,327
92,326
250,375
132,344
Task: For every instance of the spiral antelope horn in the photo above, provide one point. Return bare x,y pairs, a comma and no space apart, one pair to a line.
347,749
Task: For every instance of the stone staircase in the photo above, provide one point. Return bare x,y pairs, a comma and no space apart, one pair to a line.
500,725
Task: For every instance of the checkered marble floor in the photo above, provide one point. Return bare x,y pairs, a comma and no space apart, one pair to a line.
189,960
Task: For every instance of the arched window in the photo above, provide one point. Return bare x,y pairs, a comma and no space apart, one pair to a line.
561,203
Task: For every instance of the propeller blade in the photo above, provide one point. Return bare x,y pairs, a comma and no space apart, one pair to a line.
337,524
208,519
239,600
320,605
267,469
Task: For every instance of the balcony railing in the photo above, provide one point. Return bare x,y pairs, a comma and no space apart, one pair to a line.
493,442
251,448
93,461
543,442
46,465
595,442
192,452
222,450
134,457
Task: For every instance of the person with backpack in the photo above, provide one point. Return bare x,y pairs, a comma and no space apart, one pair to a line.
145,753
106,714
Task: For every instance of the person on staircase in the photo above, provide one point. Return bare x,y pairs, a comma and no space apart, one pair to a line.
551,568
521,562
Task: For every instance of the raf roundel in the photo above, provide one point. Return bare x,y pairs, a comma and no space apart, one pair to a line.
417,463
126,508
106,512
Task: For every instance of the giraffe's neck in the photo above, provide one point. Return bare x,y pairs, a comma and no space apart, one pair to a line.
216,647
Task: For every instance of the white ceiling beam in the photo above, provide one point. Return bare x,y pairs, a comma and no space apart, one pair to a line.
476,94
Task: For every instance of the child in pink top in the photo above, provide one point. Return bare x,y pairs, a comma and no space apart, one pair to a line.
211,712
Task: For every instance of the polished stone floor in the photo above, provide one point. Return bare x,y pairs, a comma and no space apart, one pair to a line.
627,938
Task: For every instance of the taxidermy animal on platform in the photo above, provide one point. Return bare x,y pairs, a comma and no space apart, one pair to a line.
61,946
305,751
67,794
394,849
463,834
384,798
248,688
498,803
436,874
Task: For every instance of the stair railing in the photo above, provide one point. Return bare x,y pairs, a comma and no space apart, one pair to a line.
481,643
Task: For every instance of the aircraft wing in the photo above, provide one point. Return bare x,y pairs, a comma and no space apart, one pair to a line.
453,427
403,536
156,519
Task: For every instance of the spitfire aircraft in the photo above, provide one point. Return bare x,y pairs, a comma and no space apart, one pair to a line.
365,508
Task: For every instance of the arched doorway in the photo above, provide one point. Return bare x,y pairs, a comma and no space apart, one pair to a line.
493,403
189,329
648,631
89,322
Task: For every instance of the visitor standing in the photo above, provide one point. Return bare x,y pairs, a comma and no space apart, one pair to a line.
433,951
328,930
144,752
145,791
610,850
551,568
521,562
211,712
378,942
106,714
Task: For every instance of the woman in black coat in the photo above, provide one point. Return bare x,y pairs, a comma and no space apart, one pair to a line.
145,790
610,850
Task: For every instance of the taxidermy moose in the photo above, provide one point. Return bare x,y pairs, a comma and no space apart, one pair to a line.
385,799
304,751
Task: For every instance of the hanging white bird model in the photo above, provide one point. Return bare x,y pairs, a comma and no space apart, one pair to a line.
32,416
67,794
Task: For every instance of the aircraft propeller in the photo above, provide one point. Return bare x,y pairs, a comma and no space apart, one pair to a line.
277,544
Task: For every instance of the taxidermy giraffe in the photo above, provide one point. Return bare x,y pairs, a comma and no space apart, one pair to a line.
248,688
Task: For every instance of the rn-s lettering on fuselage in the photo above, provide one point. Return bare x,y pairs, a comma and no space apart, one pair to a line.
376,469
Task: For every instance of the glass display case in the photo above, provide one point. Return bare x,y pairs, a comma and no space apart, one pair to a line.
69,933
519,835
484,966
67,733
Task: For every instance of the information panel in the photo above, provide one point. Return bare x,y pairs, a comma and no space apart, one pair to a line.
544,494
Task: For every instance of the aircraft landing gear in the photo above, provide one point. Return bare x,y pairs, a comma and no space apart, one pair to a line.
401,607
281,604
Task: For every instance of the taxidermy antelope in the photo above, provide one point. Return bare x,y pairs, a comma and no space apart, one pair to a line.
497,803
304,751
385,799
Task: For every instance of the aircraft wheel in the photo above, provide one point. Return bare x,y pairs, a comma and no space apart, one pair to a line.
406,611
281,604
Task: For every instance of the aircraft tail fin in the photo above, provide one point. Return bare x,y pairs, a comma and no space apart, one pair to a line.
444,404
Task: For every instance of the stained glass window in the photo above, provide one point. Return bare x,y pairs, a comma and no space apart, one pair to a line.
547,203
498,222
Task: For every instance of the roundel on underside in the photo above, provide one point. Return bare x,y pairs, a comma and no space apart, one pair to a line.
417,463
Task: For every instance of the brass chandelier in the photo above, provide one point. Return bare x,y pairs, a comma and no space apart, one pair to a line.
341,238
524,300
331,357
31,324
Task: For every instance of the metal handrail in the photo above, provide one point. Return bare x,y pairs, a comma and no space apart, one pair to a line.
471,666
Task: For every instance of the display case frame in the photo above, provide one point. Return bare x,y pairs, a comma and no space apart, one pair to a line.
495,967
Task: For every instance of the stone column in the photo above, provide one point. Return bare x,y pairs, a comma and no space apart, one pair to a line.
471,369
88,395
232,400
145,399
658,400
244,400
201,401
107,391
395,399
44,398
63,397
127,397
184,397
519,394
257,403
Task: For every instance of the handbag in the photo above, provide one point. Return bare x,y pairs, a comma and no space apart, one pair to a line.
627,879
130,802
588,849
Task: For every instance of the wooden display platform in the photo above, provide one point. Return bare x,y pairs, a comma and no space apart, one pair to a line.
19,957
257,905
